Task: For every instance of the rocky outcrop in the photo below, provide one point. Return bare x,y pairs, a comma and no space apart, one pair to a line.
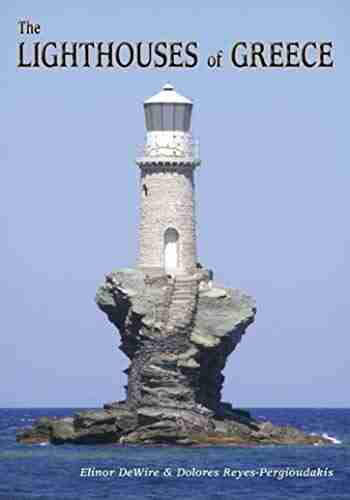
116,423
177,333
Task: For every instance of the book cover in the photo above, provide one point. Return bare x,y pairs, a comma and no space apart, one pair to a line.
174,212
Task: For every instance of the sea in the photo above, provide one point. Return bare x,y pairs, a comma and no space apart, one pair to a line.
87,472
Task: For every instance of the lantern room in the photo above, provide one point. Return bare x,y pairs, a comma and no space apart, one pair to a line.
168,111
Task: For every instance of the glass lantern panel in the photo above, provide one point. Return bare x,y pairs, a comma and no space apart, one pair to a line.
148,118
157,118
179,112
168,116
188,113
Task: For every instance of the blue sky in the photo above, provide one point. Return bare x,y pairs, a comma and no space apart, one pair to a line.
272,198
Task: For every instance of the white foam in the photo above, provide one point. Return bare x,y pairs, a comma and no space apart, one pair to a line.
332,439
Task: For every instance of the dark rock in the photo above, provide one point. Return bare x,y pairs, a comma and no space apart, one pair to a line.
30,436
92,418
178,334
97,434
62,431
39,433
104,425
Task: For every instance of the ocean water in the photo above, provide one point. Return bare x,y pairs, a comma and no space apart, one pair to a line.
252,473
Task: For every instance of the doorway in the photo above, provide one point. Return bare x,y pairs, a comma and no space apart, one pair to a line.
171,250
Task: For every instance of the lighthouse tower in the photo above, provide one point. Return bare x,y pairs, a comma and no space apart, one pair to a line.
167,236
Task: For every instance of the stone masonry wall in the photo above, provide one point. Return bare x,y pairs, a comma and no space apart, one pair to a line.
167,200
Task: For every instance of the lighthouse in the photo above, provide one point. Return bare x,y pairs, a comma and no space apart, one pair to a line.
169,157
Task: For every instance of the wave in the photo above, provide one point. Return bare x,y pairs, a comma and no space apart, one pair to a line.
332,439
326,436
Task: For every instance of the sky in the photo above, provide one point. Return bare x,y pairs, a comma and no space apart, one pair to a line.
272,197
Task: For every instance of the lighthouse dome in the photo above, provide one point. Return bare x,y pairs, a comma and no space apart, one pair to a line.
168,111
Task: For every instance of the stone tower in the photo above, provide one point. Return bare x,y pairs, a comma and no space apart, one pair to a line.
167,237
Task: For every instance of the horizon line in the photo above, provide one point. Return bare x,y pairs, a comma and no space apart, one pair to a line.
234,407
